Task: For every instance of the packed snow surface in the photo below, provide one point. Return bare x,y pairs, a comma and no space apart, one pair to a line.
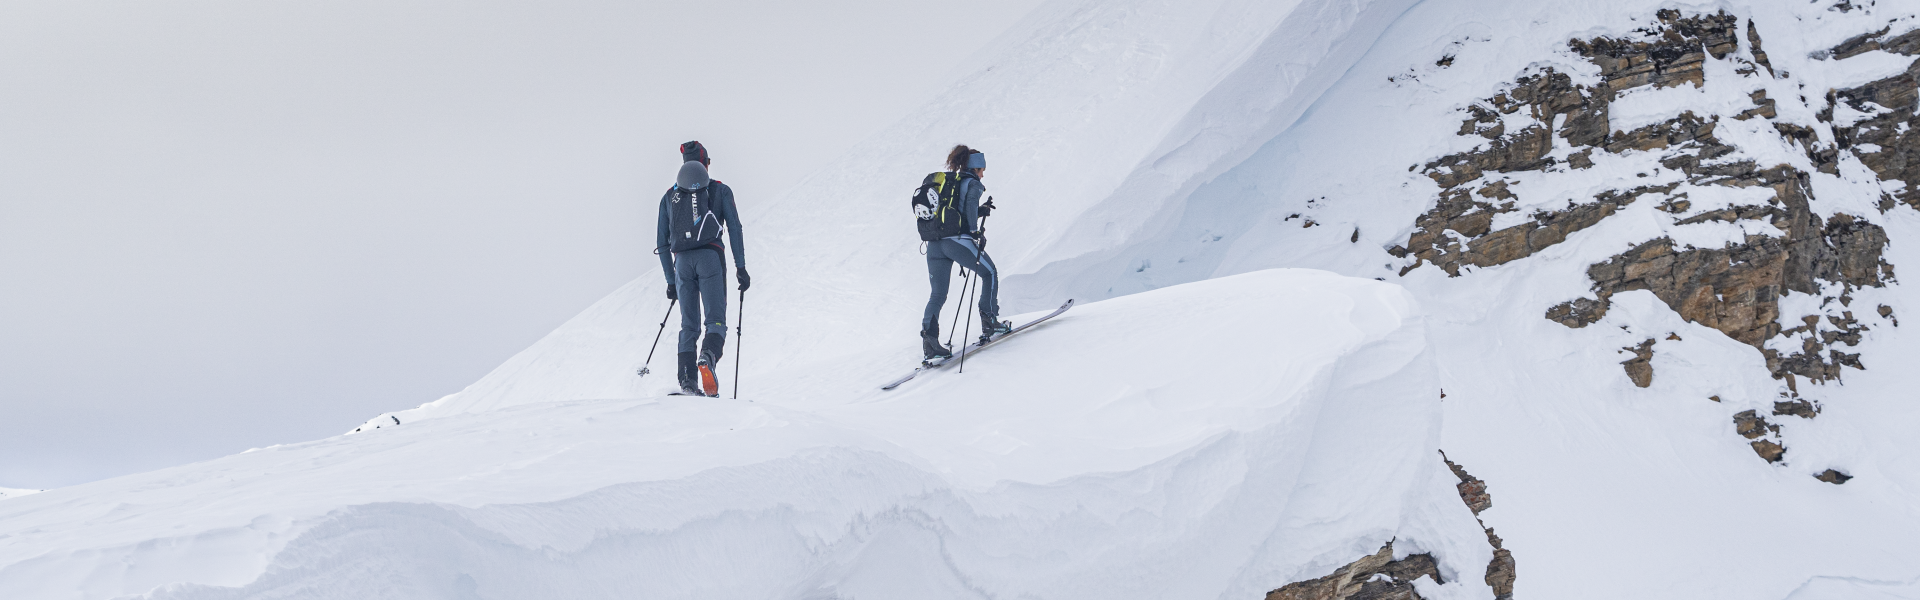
1205,440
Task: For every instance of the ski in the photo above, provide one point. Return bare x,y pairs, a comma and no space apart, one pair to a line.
934,365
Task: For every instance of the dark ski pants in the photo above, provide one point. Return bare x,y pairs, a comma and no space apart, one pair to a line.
703,285
942,254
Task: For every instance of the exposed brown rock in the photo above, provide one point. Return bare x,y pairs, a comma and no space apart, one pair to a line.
1763,107
1578,312
1907,43
1879,140
1473,491
1833,477
1759,55
1796,408
1733,289
1500,572
1357,580
1736,288
1640,367
1671,58
1751,425
1379,577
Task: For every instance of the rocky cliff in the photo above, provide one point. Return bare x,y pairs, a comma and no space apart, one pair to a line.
1773,197
1763,232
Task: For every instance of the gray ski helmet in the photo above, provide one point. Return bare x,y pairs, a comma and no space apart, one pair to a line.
977,160
693,175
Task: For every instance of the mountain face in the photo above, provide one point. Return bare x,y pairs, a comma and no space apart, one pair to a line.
1349,271
1750,228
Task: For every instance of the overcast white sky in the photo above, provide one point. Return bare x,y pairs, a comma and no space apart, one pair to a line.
228,224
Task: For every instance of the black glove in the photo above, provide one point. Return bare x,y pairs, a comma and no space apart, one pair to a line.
987,209
741,274
671,295
980,240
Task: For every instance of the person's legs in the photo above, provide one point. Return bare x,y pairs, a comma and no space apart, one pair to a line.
940,274
688,289
989,291
712,270
966,254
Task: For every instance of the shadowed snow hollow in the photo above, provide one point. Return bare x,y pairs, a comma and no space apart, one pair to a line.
1216,439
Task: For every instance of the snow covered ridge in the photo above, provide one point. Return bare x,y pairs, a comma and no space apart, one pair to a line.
1595,470
1050,469
1555,184
6,493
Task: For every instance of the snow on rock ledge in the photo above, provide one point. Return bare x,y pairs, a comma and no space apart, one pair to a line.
1102,455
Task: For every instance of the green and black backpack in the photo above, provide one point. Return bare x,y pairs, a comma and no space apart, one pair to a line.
936,205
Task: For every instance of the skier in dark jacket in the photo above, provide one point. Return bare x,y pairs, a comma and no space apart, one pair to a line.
968,250
692,214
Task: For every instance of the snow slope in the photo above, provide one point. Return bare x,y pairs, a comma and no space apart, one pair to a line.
13,493
1590,474
1064,115
1054,467
1162,159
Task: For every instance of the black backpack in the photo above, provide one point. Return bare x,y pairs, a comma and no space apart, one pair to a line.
936,205
691,219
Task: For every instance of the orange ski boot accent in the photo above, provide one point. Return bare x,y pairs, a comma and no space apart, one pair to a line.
708,383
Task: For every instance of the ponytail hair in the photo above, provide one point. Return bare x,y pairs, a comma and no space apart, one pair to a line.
957,159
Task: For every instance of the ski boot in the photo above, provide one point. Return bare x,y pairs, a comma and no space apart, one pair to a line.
710,360
689,375
930,344
990,328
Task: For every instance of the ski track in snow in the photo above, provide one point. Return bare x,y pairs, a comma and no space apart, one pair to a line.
1201,426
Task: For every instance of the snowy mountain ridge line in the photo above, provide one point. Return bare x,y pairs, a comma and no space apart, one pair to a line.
1065,116
1624,445
14,493
1227,487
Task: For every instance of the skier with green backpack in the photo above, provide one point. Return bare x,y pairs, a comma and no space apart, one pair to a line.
949,210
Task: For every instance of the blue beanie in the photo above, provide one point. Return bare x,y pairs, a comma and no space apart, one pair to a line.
977,160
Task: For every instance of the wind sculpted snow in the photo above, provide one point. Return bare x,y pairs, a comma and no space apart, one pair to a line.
1102,454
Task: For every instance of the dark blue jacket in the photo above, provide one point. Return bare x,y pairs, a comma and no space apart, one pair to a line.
971,188
723,208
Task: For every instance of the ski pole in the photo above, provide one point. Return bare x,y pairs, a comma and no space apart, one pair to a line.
737,329
656,338
976,289
963,348
966,278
